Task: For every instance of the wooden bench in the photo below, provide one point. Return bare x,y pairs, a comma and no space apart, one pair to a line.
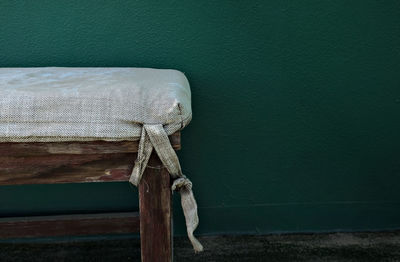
88,162
82,125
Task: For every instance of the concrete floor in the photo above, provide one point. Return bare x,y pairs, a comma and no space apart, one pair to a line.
300,247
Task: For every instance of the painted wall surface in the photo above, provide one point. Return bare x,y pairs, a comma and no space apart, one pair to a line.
296,104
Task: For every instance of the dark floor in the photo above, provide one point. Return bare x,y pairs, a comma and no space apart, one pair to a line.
307,247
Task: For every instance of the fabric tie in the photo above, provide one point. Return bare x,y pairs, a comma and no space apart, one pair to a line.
154,135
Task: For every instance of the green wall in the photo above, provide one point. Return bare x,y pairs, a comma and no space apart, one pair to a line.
296,104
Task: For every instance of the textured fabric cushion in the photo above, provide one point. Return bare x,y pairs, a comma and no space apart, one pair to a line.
66,104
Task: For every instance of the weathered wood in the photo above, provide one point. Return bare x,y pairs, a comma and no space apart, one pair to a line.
155,213
77,162
53,169
98,161
77,148
69,225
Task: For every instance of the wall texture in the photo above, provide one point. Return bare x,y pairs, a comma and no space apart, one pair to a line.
296,104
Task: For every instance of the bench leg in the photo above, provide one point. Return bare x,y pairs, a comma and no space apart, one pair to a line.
155,212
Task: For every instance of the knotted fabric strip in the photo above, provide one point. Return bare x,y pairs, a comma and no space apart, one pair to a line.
154,135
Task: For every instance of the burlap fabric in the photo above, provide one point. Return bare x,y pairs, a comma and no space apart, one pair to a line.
113,104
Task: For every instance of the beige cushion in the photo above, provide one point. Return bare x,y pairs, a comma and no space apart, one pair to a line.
65,104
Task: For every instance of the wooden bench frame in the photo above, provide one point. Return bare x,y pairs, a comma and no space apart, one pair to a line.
83,162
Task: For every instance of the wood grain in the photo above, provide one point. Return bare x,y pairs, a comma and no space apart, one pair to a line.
77,148
69,225
155,213
53,169
72,162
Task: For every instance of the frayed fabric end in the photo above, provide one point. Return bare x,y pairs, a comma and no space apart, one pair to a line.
189,206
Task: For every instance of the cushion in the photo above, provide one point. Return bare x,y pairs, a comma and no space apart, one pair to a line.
53,104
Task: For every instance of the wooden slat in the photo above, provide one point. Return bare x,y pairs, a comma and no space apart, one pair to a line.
53,169
155,213
69,225
76,148
51,163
